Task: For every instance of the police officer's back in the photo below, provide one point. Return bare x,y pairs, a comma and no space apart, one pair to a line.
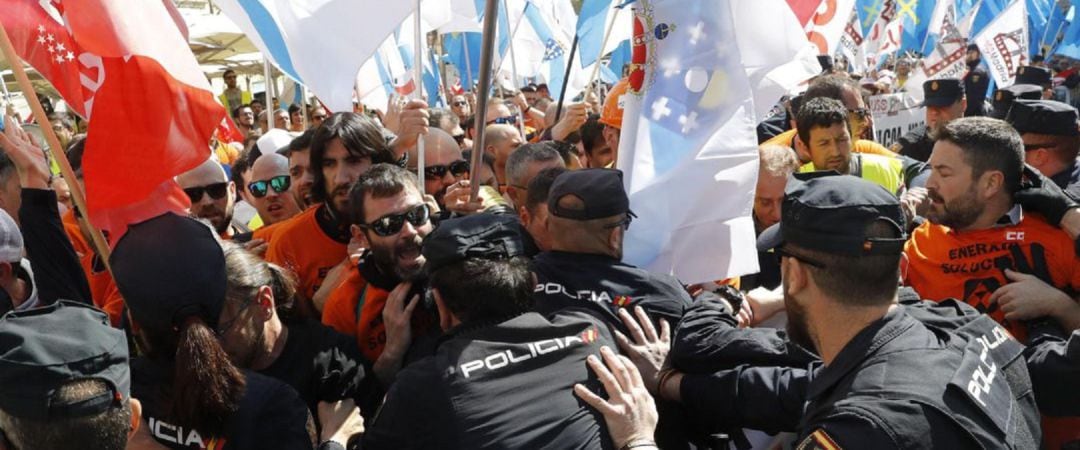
501,377
886,379
589,213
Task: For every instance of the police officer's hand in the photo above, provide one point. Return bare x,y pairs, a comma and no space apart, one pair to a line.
630,412
340,421
649,349
1039,194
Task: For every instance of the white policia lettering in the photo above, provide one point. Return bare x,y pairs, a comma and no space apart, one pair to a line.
981,381
175,434
556,288
507,357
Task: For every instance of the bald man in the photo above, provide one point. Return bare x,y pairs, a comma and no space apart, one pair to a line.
499,142
497,110
269,189
212,195
443,164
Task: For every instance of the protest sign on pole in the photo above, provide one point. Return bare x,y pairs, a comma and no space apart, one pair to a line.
1004,44
895,115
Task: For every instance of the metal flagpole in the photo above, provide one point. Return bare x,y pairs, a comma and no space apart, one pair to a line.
513,69
566,78
491,12
303,106
268,95
468,61
418,77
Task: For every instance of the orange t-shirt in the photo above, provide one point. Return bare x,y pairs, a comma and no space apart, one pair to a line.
268,232
344,312
301,246
970,265
103,290
861,145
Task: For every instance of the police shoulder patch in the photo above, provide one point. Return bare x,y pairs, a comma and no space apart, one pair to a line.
818,440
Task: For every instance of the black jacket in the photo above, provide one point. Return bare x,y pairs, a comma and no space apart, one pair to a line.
916,144
1054,364
503,385
901,382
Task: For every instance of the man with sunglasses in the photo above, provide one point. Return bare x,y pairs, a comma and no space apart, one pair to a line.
461,107
213,196
270,189
1051,140
443,164
376,301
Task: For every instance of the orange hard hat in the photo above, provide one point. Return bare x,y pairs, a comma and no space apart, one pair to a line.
613,108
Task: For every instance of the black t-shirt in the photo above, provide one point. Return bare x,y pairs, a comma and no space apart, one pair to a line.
271,414
322,365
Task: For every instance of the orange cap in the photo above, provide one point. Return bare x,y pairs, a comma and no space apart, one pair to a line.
613,110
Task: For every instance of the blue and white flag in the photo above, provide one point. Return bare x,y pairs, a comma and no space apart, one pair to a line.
321,44
689,129
596,17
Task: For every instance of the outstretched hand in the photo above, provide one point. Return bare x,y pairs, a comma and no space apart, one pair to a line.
28,157
630,412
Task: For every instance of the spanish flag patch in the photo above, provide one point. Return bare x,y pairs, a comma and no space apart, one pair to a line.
819,439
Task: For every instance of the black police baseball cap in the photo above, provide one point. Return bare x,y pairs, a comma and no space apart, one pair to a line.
43,349
168,269
601,190
943,92
491,236
1043,117
1004,98
1039,76
827,212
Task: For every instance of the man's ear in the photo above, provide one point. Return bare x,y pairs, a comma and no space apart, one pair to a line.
523,214
446,318
360,236
991,182
797,275
136,416
266,302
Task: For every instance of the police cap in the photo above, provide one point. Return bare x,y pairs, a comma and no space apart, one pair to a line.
1043,117
601,191
829,213
943,92
1004,97
490,236
168,269
42,349
1039,76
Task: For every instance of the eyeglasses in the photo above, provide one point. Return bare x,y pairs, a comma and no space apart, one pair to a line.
460,139
1033,147
861,113
216,191
456,168
460,103
318,117
780,253
625,223
508,120
390,225
279,184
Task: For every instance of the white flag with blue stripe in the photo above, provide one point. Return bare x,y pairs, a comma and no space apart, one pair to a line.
688,147
321,44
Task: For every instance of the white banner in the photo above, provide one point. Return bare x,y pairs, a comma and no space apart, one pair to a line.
895,115
852,45
1004,44
827,25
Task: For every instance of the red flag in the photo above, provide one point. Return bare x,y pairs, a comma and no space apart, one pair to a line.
228,131
153,115
41,40
804,9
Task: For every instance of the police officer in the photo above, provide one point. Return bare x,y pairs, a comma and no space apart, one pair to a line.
944,101
1037,76
1004,98
589,213
501,376
1051,140
886,380
64,380
976,82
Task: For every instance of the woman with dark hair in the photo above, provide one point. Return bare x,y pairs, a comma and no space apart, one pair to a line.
193,396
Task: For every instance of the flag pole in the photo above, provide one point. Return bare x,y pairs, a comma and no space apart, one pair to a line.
513,69
468,62
599,58
418,78
566,78
491,12
442,70
268,95
96,237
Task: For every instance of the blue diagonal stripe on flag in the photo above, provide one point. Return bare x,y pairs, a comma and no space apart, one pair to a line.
271,35
555,56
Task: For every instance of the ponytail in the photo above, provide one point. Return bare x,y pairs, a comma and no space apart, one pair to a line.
207,388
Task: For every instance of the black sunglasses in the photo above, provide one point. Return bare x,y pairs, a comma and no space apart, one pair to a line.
460,103
508,120
391,224
216,191
861,113
625,223
279,184
456,168
780,253
460,139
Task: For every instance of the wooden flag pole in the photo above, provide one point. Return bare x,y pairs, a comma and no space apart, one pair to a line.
96,237
491,13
